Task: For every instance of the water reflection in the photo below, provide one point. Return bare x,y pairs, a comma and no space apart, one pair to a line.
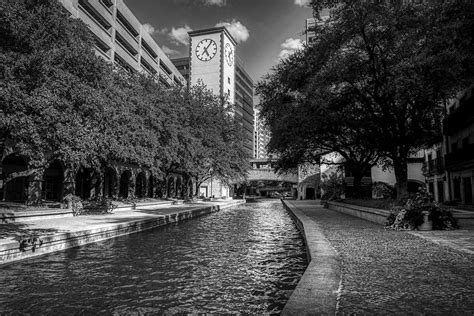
246,259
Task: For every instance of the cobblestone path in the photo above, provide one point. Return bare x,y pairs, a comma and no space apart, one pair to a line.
395,272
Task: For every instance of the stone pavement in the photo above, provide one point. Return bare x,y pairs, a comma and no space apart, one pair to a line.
396,272
10,232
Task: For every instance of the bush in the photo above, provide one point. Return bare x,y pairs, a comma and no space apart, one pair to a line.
382,190
333,186
411,215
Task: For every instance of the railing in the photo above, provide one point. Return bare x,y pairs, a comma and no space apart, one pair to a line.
460,156
433,166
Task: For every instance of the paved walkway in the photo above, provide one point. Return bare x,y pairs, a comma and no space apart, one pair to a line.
10,232
393,272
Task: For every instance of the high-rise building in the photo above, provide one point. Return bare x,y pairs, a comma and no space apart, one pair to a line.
244,103
122,39
261,137
310,23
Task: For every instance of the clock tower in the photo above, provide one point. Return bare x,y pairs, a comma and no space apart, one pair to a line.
212,57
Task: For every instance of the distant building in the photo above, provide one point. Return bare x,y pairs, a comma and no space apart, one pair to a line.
122,39
182,64
310,23
261,137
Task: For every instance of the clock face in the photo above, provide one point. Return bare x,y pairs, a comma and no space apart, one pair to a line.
229,54
206,49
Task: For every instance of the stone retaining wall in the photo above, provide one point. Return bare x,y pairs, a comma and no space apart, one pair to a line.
316,292
371,214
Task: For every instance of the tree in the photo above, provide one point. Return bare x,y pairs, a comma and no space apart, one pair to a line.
390,64
49,87
212,138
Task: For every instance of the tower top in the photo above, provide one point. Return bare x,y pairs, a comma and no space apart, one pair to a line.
212,31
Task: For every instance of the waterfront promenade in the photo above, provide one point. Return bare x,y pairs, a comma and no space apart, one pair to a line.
393,272
60,233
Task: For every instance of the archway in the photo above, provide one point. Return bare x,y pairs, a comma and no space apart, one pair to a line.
310,194
16,188
110,182
151,188
179,187
140,185
170,187
86,183
125,178
53,179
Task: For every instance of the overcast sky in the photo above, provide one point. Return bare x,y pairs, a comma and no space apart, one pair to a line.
266,30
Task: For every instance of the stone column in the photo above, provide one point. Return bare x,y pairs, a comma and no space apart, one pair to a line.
131,186
35,186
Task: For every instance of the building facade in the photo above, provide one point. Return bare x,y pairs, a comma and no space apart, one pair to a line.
261,137
449,166
121,38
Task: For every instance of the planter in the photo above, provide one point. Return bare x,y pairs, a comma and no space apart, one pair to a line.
427,223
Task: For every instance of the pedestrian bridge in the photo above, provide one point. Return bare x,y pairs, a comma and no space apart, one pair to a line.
271,175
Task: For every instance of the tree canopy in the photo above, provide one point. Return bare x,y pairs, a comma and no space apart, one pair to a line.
60,101
373,81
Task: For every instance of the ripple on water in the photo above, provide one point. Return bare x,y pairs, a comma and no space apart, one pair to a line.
246,259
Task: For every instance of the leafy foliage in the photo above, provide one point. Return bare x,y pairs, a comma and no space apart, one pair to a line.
412,214
372,83
60,101
332,186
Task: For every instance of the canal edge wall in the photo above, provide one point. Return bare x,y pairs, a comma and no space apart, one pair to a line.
318,289
12,252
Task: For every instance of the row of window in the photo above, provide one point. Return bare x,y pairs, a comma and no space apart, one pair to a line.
131,31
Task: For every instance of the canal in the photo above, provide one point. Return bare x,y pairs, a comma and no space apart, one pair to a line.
245,259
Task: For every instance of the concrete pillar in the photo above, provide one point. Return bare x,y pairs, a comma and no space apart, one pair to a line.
35,184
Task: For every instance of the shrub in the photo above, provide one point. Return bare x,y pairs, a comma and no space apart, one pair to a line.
332,185
411,215
382,190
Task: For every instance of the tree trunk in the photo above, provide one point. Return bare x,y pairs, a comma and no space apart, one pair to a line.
401,175
357,184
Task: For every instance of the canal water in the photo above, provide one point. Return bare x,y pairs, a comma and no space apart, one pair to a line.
245,259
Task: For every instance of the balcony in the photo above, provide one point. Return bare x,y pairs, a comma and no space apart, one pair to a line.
460,118
461,158
433,166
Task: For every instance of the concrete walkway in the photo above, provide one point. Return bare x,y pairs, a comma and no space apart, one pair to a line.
393,272
61,233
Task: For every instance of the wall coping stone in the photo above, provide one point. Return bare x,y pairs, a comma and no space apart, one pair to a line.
317,291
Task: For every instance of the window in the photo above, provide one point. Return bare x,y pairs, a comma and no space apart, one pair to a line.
228,91
228,80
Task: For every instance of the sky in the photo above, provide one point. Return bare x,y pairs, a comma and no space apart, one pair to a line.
266,30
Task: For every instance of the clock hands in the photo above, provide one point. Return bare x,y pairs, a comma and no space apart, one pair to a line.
205,49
